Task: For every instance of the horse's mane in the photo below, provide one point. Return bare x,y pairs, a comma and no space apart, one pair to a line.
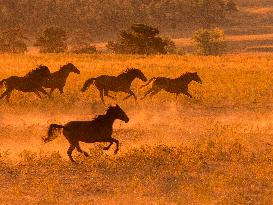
64,67
128,70
101,118
37,71
185,75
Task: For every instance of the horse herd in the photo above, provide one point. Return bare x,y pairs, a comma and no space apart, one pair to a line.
99,129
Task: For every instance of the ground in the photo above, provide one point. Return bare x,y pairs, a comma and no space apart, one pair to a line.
213,149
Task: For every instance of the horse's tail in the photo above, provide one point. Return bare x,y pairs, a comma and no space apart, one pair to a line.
148,82
50,133
2,82
87,84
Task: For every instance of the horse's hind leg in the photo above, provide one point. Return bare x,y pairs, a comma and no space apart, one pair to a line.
117,143
69,152
81,151
108,147
42,90
61,89
106,94
6,93
38,94
101,96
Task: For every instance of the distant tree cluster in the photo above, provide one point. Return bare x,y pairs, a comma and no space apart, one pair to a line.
12,41
103,19
209,41
141,39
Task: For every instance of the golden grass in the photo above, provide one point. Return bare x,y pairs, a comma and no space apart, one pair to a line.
213,149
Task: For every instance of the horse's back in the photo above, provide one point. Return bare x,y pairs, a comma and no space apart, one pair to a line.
85,131
105,81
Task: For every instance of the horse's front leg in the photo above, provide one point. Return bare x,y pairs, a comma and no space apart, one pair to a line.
108,147
187,94
51,91
131,93
117,143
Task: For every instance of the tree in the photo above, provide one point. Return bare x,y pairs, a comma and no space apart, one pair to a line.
52,40
140,39
12,41
209,41
231,6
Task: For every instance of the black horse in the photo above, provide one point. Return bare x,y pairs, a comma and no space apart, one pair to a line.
31,82
57,79
177,85
122,83
98,130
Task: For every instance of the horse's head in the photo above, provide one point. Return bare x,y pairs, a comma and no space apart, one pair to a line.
196,78
191,76
118,113
138,74
71,68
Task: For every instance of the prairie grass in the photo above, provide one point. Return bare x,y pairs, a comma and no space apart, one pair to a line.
213,149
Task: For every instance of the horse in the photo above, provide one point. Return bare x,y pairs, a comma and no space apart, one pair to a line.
31,82
98,130
177,85
122,83
57,79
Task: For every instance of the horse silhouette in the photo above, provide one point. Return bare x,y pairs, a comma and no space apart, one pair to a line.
57,79
31,82
120,83
98,130
178,85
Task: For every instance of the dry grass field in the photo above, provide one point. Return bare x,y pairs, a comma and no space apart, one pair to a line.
216,148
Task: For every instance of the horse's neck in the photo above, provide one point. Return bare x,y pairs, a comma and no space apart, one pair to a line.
64,73
185,80
108,120
127,77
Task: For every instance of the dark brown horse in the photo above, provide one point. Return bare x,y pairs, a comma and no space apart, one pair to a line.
177,85
98,130
31,82
57,79
120,83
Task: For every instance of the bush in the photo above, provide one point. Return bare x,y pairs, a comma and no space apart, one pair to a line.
141,39
52,40
12,41
209,41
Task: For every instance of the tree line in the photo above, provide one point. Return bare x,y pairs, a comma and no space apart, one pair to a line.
102,19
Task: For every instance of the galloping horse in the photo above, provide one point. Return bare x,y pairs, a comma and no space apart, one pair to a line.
177,85
122,83
57,79
31,82
98,130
